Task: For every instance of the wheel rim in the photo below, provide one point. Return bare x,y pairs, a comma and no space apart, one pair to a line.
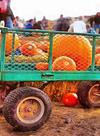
30,110
94,94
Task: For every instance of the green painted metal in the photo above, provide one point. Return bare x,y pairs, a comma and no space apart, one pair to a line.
2,51
93,53
48,76
50,53
12,54
14,71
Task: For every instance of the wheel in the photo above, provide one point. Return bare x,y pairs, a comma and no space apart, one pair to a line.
27,108
89,93
5,88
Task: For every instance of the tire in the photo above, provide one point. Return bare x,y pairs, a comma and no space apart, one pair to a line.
21,118
6,87
86,93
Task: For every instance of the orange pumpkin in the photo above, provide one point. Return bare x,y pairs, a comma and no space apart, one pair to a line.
30,49
43,46
70,99
76,47
97,51
8,44
42,66
64,63
97,59
23,41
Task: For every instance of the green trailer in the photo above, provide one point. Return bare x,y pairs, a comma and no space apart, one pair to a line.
27,108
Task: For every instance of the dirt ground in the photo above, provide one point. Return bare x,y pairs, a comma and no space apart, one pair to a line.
64,121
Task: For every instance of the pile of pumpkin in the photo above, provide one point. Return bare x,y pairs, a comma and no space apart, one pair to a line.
31,49
70,52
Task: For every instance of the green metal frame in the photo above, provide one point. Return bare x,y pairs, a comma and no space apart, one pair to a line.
28,75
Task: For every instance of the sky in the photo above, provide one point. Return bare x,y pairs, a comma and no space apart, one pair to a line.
51,9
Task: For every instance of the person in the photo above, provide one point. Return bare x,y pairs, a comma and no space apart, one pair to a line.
62,24
7,15
34,20
96,22
78,26
57,25
90,29
29,24
17,23
44,23
61,19
37,25
65,25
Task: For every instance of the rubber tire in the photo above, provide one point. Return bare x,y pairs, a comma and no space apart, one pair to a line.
12,100
83,92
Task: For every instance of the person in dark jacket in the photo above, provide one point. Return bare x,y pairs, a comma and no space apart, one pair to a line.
29,24
62,25
7,16
97,22
37,25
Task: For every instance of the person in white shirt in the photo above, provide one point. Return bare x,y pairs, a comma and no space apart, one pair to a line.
78,26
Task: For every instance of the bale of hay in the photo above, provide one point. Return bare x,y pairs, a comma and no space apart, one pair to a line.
56,89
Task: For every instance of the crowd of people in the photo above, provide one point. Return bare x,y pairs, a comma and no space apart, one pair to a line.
31,23
77,24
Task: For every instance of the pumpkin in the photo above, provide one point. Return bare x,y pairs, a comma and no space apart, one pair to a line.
97,59
42,66
23,41
30,49
8,43
43,45
70,99
63,63
76,47
27,59
97,51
